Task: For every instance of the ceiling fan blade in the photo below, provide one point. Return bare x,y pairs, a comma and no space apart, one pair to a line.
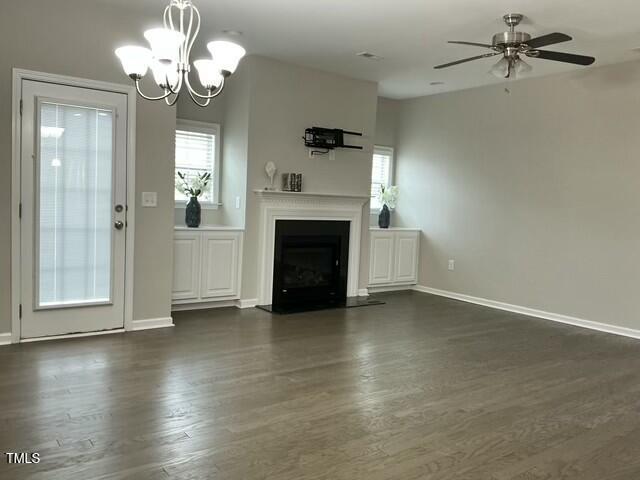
473,44
562,57
549,39
467,60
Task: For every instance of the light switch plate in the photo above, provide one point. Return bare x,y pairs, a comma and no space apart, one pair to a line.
149,199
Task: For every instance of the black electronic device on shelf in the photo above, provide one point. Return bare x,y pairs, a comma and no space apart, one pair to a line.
328,138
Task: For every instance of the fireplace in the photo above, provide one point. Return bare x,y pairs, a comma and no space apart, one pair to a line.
310,264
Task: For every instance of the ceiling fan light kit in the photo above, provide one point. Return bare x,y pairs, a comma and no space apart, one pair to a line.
513,46
169,57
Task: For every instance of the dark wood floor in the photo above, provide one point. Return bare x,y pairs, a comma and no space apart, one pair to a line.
420,388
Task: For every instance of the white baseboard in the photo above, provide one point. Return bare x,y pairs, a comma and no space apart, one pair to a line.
247,303
148,323
532,312
390,288
363,292
240,303
182,307
5,338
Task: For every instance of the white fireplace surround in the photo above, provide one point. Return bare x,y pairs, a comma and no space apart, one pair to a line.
276,205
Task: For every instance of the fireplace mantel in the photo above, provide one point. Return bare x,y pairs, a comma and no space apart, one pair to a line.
278,205
279,194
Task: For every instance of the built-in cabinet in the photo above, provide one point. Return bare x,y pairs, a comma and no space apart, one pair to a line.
206,265
393,257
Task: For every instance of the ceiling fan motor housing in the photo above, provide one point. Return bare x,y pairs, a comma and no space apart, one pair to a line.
504,39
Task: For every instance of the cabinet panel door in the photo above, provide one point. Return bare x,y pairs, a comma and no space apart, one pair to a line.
186,266
220,254
406,262
381,258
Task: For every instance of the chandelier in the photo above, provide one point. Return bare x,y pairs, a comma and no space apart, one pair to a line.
168,57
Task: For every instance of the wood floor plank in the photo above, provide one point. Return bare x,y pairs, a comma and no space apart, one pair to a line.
419,388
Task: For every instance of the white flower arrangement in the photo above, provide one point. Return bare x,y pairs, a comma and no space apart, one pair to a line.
388,196
192,186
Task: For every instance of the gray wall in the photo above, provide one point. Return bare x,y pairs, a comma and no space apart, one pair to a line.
236,146
284,100
534,194
387,122
63,37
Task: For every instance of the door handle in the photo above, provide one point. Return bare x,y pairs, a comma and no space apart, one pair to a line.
119,225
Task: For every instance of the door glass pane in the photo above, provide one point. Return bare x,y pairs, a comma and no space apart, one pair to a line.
74,205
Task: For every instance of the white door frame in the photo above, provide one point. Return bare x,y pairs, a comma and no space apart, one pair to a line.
18,76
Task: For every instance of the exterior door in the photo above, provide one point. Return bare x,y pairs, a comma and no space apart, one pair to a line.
73,209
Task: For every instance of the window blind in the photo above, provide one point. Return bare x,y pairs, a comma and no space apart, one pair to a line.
195,155
380,174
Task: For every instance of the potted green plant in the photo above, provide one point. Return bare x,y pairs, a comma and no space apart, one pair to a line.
192,187
388,197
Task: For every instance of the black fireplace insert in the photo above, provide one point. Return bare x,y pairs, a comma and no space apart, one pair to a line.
310,265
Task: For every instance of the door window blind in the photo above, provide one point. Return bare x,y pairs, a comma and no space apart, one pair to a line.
75,203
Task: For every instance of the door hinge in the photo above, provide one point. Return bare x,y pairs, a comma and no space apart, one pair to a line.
20,210
20,311
21,106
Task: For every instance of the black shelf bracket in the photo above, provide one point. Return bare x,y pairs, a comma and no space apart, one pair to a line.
328,139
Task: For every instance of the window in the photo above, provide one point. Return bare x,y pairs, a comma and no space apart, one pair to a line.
381,173
197,152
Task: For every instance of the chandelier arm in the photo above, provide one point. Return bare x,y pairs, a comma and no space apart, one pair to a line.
173,101
193,92
191,40
185,45
182,46
161,97
168,17
195,100
175,90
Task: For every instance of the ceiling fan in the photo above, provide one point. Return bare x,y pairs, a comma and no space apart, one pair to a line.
513,45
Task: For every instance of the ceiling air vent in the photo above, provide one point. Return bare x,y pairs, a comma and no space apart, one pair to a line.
369,55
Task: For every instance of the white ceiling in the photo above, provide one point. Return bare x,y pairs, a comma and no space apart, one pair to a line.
411,35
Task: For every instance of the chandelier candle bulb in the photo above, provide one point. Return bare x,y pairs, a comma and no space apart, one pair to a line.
169,57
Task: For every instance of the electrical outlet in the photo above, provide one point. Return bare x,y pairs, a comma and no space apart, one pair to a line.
237,202
452,265
149,199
